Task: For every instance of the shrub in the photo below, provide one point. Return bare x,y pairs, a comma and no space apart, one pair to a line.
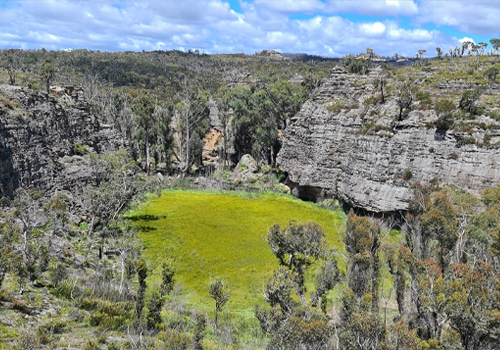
19,306
80,150
337,106
408,174
91,345
444,106
331,204
424,98
173,339
469,99
467,141
372,100
444,123
57,273
52,327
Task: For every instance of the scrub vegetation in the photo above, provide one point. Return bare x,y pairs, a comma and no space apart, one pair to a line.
130,263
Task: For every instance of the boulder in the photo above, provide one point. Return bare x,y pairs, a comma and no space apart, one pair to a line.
246,169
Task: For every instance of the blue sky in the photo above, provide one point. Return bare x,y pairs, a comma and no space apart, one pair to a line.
322,27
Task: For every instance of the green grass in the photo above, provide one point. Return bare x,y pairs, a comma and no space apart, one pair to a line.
222,235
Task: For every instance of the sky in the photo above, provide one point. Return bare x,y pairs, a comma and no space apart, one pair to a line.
318,27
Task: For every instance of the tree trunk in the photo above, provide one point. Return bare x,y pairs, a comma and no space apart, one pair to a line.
272,157
122,266
148,159
399,283
188,136
375,283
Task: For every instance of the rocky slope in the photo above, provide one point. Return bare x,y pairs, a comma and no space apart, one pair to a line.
342,145
38,134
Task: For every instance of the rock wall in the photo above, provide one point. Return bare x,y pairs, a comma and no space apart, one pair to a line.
339,145
37,137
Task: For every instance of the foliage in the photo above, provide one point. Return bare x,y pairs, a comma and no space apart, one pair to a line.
356,64
363,238
80,150
219,291
469,99
405,94
491,74
297,247
47,73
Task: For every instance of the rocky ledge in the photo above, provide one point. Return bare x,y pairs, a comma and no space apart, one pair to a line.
44,137
341,145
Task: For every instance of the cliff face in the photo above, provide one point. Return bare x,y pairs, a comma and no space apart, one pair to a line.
342,145
38,133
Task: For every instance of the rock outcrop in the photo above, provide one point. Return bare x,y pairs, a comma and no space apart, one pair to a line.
343,145
43,138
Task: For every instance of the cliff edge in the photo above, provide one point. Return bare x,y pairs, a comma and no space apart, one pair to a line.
344,143
44,139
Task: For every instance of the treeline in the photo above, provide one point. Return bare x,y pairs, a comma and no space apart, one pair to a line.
162,100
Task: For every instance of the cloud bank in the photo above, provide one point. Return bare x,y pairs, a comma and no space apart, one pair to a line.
332,28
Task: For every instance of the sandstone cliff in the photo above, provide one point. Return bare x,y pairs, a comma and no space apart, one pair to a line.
38,134
342,145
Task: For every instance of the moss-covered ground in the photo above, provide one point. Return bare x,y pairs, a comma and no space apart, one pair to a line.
222,235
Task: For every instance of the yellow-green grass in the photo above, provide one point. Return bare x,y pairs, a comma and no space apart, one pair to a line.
222,235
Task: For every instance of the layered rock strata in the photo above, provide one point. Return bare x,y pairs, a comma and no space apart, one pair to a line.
343,145
38,134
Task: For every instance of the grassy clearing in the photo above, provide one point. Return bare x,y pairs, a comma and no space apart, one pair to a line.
222,234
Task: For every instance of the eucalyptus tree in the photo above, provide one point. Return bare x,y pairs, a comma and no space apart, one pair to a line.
191,119
47,73
144,108
491,74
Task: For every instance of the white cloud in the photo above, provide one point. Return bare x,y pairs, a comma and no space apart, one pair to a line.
374,7
212,25
473,17
292,6
466,39
375,29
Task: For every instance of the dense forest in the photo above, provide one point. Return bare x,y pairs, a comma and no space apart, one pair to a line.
73,273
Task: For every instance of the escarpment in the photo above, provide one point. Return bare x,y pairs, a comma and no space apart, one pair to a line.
345,143
44,139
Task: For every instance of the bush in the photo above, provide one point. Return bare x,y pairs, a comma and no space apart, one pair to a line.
80,150
469,99
408,174
444,106
466,141
108,314
19,306
58,273
173,339
331,204
423,97
372,100
444,123
52,327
